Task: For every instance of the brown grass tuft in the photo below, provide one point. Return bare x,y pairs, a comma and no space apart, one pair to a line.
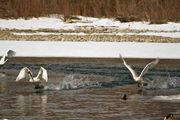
128,10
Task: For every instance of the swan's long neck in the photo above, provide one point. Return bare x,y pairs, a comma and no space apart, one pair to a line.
31,76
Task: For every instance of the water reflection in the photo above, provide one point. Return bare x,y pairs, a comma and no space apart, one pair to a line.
36,103
2,86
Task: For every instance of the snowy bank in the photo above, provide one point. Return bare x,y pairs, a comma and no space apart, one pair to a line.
56,23
169,30
91,49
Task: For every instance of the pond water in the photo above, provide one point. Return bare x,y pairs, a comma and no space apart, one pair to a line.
89,91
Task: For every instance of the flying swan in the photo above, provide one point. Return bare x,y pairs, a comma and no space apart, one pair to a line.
26,75
139,79
9,53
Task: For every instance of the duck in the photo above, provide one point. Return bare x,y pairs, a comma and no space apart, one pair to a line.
124,97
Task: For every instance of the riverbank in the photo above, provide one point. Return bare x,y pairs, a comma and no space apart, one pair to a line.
87,29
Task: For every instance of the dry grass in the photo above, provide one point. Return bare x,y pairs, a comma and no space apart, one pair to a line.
8,35
127,10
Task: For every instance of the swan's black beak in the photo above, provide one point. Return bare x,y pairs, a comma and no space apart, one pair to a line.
39,86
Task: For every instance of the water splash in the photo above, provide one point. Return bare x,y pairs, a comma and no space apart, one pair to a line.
71,82
52,87
164,83
78,81
2,75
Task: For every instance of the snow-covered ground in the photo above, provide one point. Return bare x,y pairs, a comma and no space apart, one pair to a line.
55,23
91,49
166,30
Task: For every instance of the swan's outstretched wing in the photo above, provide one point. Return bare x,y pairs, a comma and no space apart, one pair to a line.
134,74
2,60
148,66
42,75
11,53
23,75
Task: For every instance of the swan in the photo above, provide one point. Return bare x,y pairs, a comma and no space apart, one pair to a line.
139,79
9,53
26,75
170,117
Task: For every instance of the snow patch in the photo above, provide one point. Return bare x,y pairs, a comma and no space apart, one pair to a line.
56,23
91,49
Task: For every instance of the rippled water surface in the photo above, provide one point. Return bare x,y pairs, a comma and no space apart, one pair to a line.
89,91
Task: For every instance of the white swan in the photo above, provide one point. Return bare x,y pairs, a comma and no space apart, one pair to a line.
9,53
26,75
139,79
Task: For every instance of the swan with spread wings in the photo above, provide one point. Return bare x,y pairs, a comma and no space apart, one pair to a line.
139,79
26,75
